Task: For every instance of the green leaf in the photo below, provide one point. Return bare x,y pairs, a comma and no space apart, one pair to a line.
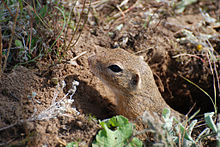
166,113
206,131
43,11
19,44
191,126
135,143
72,144
182,5
21,6
117,131
209,121
167,119
193,116
218,134
185,133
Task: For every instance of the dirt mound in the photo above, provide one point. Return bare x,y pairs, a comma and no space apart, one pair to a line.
29,97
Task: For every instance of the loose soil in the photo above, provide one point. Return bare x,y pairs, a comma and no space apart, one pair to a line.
25,92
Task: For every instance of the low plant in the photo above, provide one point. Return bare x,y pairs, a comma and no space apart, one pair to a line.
117,131
172,132
32,30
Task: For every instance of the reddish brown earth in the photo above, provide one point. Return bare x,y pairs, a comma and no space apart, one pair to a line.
156,43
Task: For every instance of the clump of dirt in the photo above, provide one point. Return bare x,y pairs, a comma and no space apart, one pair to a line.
18,107
25,93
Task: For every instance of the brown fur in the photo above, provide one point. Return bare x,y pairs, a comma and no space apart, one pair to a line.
134,86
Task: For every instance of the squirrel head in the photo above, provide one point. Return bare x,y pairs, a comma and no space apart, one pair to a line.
118,69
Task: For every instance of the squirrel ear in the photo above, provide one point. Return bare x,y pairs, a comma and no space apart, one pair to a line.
135,79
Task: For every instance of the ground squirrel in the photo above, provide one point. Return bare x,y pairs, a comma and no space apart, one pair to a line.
131,80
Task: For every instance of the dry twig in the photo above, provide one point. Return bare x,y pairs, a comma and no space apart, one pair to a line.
12,36
78,25
1,51
7,8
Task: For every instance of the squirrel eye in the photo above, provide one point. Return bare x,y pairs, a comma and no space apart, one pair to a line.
115,68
